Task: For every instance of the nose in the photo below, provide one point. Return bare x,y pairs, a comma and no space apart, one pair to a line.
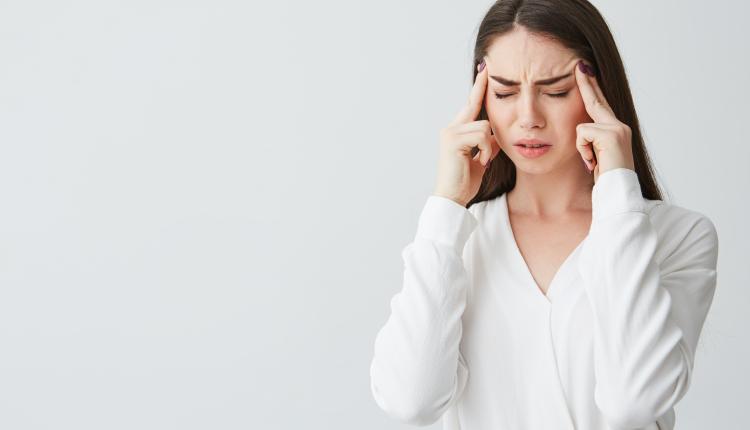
529,115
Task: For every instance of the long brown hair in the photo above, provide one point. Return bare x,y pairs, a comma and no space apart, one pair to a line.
579,26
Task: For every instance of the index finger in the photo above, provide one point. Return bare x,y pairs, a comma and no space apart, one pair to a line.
593,99
476,98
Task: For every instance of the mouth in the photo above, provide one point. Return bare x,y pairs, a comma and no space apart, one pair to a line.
531,143
532,148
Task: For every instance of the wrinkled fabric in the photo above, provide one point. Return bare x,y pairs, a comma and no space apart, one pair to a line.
472,340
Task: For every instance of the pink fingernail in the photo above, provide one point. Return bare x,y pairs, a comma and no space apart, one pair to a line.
481,65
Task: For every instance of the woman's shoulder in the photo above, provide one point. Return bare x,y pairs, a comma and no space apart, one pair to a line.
482,210
666,215
682,230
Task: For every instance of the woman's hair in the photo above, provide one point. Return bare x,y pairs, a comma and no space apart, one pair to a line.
579,26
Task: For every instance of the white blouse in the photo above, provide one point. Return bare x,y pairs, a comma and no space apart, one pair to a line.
472,339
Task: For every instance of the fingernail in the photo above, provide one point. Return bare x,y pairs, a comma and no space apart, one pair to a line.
587,164
585,68
481,65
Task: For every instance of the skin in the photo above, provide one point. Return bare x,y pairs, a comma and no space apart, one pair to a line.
550,206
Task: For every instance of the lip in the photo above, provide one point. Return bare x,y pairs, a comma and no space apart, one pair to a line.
532,152
521,142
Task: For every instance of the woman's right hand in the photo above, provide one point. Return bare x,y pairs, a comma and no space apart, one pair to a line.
460,170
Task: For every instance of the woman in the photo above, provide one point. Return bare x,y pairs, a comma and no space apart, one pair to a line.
552,287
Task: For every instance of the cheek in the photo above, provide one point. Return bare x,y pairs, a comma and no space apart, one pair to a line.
500,119
495,109
567,117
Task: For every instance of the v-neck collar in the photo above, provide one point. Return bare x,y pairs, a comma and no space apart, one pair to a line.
564,271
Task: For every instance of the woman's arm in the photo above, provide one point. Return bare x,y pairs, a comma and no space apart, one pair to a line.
417,371
647,317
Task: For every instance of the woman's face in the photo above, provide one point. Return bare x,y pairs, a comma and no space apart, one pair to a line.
526,109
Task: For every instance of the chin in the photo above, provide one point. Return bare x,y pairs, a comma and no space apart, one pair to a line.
547,163
536,166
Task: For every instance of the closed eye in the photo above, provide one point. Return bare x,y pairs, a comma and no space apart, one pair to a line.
557,95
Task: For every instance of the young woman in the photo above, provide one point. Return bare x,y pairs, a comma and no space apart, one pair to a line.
546,287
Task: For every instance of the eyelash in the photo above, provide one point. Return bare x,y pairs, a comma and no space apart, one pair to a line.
557,95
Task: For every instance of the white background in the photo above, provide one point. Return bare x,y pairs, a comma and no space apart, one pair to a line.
204,202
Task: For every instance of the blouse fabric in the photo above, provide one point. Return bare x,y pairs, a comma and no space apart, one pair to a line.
472,339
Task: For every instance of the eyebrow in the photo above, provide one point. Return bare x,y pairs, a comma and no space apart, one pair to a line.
548,81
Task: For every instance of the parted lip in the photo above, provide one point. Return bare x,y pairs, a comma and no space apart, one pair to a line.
531,142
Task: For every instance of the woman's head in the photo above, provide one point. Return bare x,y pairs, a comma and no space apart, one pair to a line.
520,107
524,41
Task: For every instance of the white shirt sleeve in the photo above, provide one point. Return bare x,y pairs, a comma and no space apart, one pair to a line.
647,316
417,371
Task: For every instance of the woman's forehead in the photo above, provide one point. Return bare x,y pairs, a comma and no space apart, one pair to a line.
528,70
520,53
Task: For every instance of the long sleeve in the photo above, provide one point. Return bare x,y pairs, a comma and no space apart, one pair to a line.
647,315
417,371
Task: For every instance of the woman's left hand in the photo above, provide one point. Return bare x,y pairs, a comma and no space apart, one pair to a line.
606,143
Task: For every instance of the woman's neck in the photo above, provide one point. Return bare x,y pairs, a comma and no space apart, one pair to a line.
553,194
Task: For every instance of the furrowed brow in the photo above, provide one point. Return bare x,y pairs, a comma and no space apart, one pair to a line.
541,82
